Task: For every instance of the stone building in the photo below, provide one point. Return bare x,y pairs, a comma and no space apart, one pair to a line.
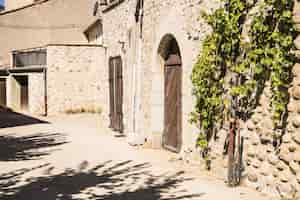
43,54
158,43
145,37
133,59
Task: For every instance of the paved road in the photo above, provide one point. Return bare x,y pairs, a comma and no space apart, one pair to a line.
74,157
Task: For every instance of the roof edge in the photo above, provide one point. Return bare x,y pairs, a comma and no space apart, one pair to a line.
57,44
23,7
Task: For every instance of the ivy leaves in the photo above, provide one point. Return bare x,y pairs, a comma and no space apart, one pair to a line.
207,85
265,57
218,53
278,36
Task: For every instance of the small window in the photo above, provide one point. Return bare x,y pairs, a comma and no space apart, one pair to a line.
36,57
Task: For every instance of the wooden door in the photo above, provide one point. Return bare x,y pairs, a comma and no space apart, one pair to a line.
2,92
119,95
172,108
111,93
116,94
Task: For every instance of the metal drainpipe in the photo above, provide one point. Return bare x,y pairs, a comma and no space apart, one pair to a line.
140,137
137,139
45,92
134,98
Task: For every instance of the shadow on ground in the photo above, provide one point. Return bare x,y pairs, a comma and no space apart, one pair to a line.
31,147
9,118
109,181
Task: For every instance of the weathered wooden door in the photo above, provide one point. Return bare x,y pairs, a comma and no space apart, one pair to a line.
172,108
111,70
2,92
116,93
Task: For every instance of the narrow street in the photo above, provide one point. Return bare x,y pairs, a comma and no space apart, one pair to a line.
75,157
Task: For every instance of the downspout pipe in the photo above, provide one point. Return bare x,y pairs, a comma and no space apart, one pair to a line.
139,73
137,138
45,92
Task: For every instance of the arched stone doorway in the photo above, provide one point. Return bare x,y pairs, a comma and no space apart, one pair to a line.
170,95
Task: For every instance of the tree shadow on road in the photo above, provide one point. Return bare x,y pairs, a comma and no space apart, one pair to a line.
108,180
9,118
31,147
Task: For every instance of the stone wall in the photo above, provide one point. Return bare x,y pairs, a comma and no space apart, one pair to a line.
53,21
117,23
36,93
77,79
181,19
275,171
121,37
272,170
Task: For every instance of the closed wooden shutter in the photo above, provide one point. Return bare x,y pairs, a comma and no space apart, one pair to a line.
111,93
116,94
119,94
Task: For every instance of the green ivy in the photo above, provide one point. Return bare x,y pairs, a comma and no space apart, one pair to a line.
267,56
272,33
220,52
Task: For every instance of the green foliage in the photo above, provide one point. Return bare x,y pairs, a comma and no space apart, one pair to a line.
202,142
219,53
266,56
273,32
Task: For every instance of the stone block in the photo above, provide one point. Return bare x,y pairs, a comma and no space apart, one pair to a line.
296,156
285,176
250,125
297,42
252,176
295,167
265,169
286,138
296,137
251,151
261,155
296,68
273,159
256,163
296,13
285,156
296,92
281,166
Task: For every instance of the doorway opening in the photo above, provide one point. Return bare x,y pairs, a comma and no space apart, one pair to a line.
3,92
22,91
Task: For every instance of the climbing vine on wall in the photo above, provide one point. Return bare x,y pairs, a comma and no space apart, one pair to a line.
250,56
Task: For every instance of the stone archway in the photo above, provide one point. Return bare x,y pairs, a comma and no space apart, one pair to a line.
167,95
